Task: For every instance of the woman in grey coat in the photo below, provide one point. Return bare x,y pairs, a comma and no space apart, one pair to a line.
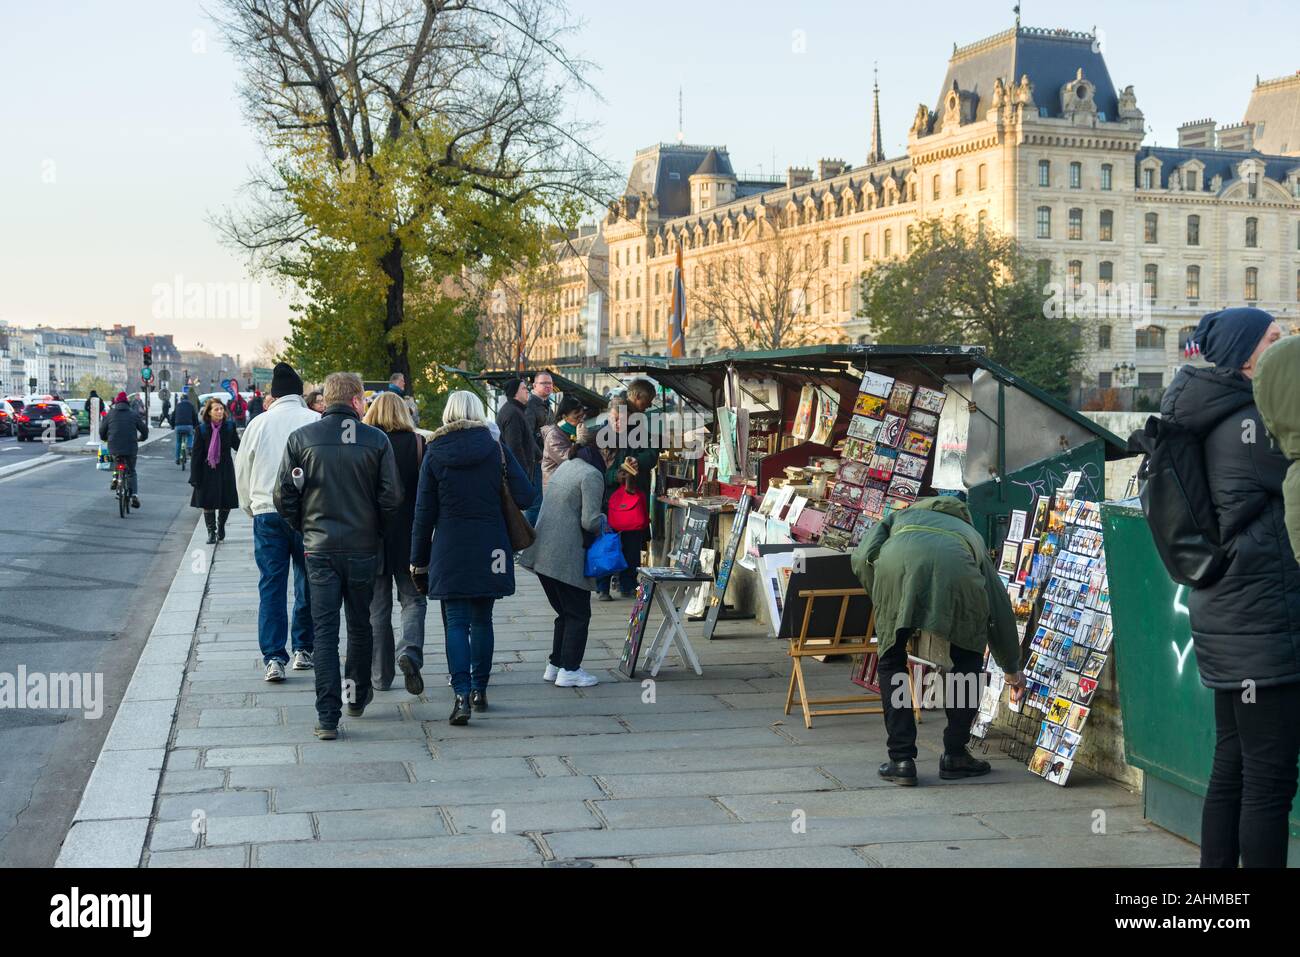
572,507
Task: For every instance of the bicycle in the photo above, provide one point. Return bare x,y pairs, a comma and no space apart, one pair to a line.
121,485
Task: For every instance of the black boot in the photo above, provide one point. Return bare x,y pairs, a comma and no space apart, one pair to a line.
459,711
900,772
221,525
478,700
210,519
953,766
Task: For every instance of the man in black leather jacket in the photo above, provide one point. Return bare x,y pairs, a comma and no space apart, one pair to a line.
349,487
123,430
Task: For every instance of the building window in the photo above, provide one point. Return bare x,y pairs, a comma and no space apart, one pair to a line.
1044,273
627,288
1076,225
1105,277
638,287
826,299
911,192
1151,380
959,182
1185,336
844,250
1193,230
934,187
889,242
982,221
1044,172
1103,338
844,297
1107,176
1193,284
1148,179
1076,176
1104,380
1152,227
982,176
1297,285
638,255
911,240
638,322
1151,281
826,253
1252,185
1191,182
1252,284
1074,274
1044,223
1106,229
1152,337
866,246
1252,233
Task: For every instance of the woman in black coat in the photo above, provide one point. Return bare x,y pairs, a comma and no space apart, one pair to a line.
212,468
388,414
1246,625
460,548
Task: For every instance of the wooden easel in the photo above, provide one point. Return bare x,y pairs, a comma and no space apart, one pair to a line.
804,645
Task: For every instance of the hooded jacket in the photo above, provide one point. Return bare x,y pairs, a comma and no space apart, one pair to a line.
926,568
459,530
1246,626
517,436
1277,393
123,430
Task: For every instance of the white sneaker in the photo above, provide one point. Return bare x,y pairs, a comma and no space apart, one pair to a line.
302,661
274,670
575,679
551,673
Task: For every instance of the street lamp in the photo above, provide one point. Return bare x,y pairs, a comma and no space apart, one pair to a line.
1125,373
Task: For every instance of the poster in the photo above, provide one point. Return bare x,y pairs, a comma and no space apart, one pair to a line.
803,419
755,535
950,443
723,578
828,408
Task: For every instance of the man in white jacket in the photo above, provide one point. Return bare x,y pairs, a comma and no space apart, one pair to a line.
275,544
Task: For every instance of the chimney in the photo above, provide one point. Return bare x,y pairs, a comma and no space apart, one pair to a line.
1198,135
797,176
829,168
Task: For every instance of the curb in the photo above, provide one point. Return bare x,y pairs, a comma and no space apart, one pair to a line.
17,467
76,447
112,821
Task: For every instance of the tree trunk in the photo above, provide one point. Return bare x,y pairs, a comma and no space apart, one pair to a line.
394,312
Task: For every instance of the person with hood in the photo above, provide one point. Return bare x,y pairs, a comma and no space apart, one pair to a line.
212,471
468,564
1246,625
276,546
927,570
570,518
1277,393
123,430
103,406
388,414
516,429
184,418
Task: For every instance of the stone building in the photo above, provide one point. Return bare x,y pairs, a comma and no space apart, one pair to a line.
1029,136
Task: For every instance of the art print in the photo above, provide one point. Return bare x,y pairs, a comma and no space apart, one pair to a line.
842,518
873,383
863,429
900,400
928,400
872,406
846,494
1078,717
1058,770
917,444
891,430
910,466
1087,687
905,488
1092,667
1059,711
856,450
851,473
925,422
1016,531
882,464
873,499
1041,762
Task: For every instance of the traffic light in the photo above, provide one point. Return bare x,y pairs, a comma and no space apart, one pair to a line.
146,373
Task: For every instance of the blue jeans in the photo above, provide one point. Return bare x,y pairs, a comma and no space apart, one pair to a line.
275,547
535,509
468,622
347,579
188,432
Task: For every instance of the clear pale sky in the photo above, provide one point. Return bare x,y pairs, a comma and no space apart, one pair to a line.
122,132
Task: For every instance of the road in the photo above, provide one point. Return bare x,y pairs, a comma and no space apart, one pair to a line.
12,451
79,591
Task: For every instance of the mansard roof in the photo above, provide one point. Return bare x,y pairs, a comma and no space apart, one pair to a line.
665,170
1050,58
1217,163
1275,112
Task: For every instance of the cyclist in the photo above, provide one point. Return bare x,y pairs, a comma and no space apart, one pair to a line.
123,430
184,418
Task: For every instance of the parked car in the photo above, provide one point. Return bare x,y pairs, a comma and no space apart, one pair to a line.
7,413
41,419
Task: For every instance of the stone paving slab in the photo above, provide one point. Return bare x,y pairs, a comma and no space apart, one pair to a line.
683,770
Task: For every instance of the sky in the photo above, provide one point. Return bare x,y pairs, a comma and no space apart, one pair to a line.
123,135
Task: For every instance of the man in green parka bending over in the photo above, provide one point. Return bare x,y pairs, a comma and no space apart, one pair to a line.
926,569
1277,396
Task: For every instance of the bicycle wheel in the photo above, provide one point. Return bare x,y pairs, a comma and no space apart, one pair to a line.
123,503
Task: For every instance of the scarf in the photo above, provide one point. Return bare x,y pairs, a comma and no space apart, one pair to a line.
569,429
214,448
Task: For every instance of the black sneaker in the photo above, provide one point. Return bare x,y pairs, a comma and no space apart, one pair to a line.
900,772
954,766
326,734
135,501
357,710
459,711
414,680
478,700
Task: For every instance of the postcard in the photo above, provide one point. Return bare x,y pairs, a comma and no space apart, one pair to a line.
1041,762
928,400
891,430
862,428
900,400
882,464
872,406
907,488
1058,770
916,443
1096,661
910,466
853,473
1077,718
1025,562
846,494
925,422
857,450
1087,686
842,518
1059,711
1016,532
873,383
1010,551
873,499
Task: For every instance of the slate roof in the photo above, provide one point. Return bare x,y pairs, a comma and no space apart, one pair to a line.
1050,58
1275,111
665,171
1217,163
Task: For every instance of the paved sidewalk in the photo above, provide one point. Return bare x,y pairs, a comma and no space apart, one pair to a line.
705,771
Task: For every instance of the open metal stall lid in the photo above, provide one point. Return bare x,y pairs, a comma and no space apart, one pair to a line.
594,402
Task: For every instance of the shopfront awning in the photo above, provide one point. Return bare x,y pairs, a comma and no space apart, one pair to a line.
593,402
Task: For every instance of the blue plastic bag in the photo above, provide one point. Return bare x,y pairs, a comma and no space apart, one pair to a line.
605,556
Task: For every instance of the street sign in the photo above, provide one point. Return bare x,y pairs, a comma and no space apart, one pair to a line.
261,374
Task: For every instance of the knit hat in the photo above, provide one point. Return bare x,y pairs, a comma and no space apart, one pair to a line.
511,387
121,397
284,381
1228,337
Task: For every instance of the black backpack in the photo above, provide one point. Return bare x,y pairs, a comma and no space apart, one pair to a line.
1175,494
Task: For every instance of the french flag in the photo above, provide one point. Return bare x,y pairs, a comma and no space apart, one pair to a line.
1191,350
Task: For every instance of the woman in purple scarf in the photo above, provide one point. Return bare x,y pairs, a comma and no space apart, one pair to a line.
212,468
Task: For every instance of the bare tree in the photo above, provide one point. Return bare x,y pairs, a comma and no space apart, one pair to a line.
765,295
432,100
267,353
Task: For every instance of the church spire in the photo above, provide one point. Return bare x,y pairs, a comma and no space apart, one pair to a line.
877,154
